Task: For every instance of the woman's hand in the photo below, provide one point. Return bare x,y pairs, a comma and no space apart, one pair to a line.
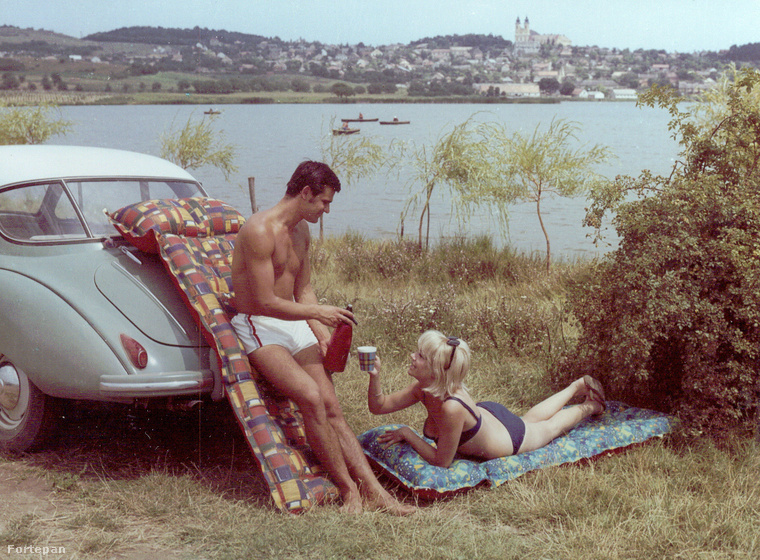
375,371
394,436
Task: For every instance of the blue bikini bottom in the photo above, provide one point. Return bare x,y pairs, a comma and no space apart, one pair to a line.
513,423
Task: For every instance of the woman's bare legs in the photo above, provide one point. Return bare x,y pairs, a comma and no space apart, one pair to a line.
549,419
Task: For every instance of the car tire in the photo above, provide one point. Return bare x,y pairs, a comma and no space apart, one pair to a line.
28,416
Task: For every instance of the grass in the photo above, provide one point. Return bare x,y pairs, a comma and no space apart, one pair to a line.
95,94
185,485
655,501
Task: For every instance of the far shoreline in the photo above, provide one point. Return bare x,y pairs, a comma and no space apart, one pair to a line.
69,98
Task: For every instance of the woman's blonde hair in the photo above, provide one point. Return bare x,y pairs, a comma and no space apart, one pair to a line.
437,349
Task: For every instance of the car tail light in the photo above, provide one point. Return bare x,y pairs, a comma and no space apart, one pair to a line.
137,354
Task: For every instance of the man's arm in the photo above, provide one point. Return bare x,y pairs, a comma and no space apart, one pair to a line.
256,247
303,292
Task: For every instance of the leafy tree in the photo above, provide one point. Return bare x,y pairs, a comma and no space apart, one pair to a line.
30,125
198,144
293,65
460,160
318,69
342,90
629,80
300,85
548,86
542,165
9,81
748,52
671,318
567,87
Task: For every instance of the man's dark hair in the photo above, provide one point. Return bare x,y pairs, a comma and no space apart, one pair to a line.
314,174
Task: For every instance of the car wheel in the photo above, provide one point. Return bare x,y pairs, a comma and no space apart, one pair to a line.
27,415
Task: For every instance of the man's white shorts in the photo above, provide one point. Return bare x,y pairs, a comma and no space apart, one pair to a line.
256,331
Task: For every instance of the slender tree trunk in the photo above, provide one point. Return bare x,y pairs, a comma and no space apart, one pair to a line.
546,235
419,228
425,211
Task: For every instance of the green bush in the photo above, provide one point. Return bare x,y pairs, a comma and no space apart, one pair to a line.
671,318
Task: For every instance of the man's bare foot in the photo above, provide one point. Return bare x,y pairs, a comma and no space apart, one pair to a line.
386,503
352,503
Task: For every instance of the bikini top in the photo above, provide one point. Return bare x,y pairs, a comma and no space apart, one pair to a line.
467,435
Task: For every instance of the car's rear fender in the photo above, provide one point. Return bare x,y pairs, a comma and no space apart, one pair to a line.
65,356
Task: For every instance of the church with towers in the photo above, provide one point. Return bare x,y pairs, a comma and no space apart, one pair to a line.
529,42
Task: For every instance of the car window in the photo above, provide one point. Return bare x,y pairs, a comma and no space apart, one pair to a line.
93,197
39,212
45,212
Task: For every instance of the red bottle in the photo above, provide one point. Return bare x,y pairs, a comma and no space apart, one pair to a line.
339,347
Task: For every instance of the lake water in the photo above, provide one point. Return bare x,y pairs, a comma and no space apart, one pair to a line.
272,140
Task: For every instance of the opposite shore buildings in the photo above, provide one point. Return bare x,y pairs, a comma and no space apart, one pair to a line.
531,65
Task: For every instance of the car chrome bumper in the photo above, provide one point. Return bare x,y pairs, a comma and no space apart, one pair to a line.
157,385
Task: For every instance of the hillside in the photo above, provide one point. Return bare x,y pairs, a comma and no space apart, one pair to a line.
40,42
171,63
15,35
177,37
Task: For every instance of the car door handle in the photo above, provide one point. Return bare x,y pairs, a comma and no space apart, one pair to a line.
131,255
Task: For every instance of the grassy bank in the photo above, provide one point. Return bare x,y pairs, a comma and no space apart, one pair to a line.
31,98
184,485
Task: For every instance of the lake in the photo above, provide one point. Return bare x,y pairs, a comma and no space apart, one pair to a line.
272,140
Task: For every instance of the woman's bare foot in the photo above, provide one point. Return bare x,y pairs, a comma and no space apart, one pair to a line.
594,407
595,393
579,387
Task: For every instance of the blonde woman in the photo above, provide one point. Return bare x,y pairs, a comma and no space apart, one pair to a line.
483,430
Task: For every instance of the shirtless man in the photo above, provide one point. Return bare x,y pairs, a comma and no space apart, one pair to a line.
284,329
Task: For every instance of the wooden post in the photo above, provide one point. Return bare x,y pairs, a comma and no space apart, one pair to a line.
252,193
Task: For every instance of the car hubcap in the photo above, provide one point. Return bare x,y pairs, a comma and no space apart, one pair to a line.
14,396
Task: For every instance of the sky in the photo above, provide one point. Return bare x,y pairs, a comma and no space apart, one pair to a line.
672,25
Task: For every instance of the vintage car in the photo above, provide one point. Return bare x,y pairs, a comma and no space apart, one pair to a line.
84,315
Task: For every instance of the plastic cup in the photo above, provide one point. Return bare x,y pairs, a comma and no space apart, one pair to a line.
366,357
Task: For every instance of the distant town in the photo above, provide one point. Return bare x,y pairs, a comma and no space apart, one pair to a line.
528,66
